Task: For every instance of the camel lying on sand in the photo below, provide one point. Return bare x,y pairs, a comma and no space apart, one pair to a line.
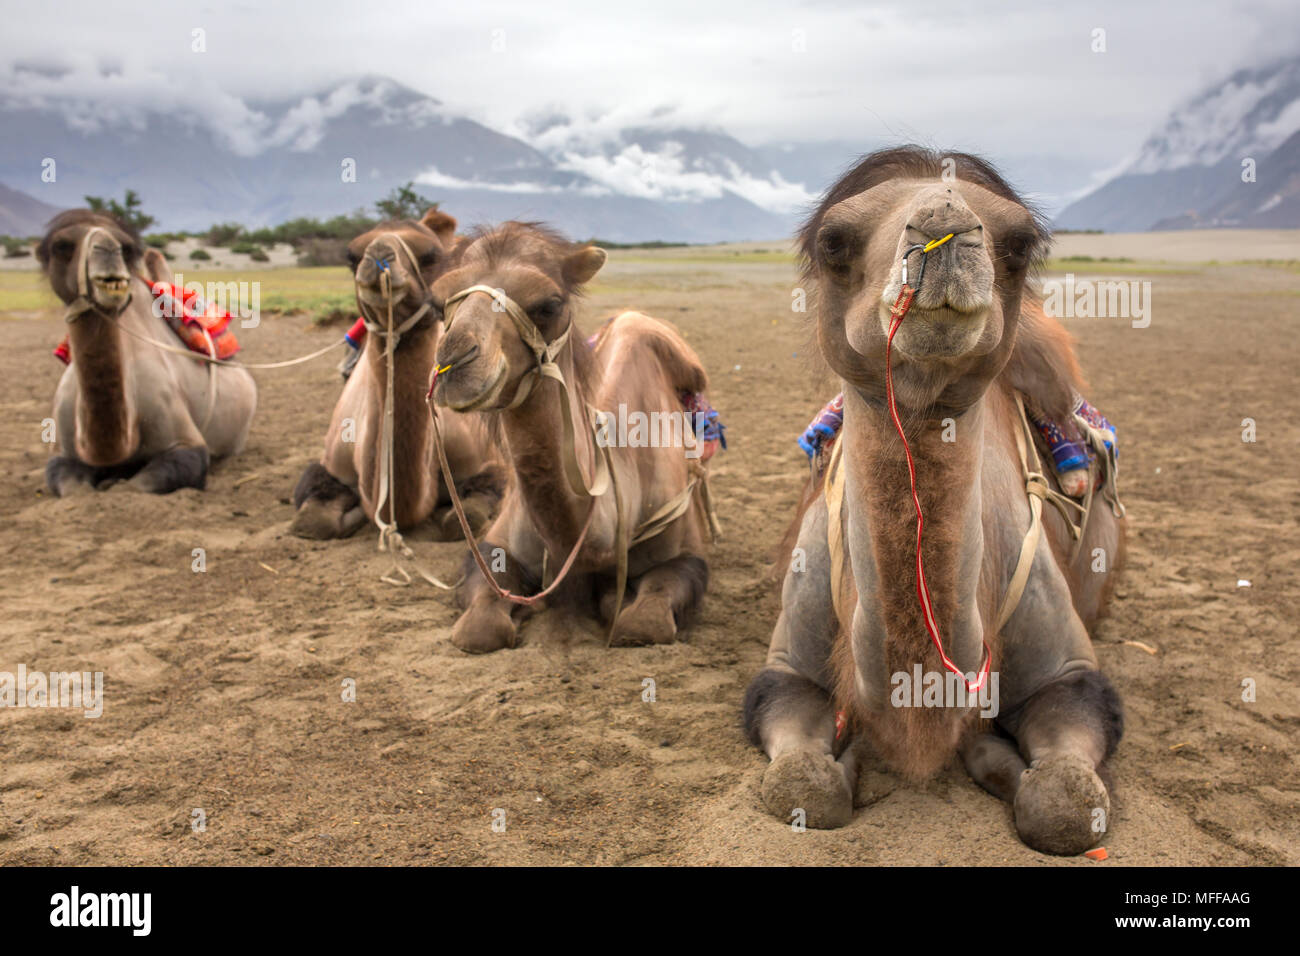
580,502
126,411
396,263
976,604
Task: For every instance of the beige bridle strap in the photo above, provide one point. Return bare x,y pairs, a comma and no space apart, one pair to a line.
390,539
545,354
833,491
83,302
1038,490
604,479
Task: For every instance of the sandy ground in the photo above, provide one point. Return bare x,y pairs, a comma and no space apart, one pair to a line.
224,688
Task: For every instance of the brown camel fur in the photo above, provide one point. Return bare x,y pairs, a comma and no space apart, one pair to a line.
972,339
638,362
126,412
340,493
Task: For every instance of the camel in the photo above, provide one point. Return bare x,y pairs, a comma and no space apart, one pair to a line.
346,489
509,351
972,347
126,413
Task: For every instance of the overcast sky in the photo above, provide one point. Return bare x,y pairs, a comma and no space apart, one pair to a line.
1019,80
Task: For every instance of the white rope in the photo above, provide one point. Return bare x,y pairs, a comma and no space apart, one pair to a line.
390,539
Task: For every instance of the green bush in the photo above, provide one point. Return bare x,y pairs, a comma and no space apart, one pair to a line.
323,252
200,255
224,233
14,248
259,255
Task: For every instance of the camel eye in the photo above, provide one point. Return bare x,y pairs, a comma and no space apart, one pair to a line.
1016,249
547,309
836,246
63,248
428,259
354,260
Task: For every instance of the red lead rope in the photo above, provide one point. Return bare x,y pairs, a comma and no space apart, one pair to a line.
901,305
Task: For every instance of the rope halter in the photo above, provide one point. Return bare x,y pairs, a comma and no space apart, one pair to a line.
544,352
84,302
386,288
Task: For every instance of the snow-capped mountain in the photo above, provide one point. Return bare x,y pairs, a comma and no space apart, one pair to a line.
265,162
1228,157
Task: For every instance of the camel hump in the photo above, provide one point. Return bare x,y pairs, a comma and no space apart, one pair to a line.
1043,365
156,268
640,333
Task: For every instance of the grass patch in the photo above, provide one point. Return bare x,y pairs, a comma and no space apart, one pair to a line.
324,294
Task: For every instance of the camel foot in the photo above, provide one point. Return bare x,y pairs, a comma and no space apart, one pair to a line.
1057,805
649,619
483,630
815,783
478,512
320,520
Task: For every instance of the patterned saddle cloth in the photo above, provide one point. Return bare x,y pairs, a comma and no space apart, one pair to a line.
1065,444
194,322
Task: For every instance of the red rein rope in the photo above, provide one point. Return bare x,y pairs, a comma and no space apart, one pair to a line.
901,305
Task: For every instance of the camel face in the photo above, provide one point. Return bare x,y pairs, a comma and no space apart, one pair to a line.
962,321
409,253
105,265
484,355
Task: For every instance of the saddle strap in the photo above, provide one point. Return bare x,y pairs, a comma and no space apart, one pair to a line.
1037,490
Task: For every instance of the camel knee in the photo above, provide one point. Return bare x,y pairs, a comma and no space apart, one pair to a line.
666,599
785,711
1065,732
325,507
66,476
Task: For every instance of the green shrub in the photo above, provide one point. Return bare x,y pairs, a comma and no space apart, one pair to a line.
200,255
224,233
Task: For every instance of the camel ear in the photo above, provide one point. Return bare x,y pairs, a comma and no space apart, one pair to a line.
440,224
583,264
156,268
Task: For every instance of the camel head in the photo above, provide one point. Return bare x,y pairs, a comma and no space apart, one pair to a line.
85,251
411,253
485,356
961,327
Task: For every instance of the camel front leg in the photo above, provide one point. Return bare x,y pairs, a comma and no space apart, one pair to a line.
793,720
67,476
480,496
184,466
665,598
1065,732
326,507
488,622
788,711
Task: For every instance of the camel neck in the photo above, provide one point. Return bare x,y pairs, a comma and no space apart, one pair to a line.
534,433
413,481
947,455
106,426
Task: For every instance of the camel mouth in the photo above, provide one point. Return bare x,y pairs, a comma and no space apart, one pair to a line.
375,299
111,292
112,285
939,333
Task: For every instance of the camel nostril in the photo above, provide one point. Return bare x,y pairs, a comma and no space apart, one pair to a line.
464,357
